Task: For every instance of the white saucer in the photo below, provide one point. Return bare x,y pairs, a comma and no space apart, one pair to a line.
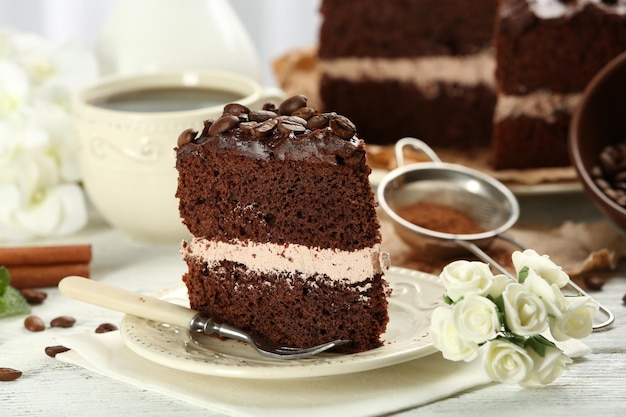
415,294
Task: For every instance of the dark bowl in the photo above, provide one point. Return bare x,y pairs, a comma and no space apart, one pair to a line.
600,120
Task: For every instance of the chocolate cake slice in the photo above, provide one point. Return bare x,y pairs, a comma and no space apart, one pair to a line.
286,242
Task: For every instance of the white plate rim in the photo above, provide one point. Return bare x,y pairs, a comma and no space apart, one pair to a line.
137,334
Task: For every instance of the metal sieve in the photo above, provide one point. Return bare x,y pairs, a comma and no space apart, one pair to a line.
481,197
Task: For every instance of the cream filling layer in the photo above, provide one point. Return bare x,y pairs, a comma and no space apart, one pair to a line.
469,70
540,104
353,266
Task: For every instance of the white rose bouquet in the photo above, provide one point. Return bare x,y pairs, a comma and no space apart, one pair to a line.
39,176
503,320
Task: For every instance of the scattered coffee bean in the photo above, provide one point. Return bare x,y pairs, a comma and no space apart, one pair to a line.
594,282
33,296
223,124
106,327
342,127
624,299
9,374
52,351
34,324
63,321
292,104
187,136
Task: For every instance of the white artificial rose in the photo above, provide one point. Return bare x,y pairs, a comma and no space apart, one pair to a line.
498,285
464,277
475,319
542,265
446,339
547,367
577,319
507,362
525,313
550,294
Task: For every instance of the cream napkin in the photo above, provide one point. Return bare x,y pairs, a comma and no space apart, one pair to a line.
369,393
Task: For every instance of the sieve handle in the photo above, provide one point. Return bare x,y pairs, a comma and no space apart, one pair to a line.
472,247
415,144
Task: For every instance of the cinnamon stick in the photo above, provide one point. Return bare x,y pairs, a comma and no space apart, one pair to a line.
45,255
36,276
44,266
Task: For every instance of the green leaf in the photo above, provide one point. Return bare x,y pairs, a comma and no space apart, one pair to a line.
523,274
539,343
448,300
12,302
5,278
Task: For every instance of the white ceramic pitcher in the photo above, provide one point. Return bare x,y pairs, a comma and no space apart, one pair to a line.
152,35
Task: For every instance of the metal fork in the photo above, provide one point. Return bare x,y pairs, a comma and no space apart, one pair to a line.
152,308
201,323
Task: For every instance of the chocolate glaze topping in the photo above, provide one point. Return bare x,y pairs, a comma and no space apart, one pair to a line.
291,131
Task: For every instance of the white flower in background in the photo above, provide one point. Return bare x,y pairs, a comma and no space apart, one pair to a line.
507,362
547,368
463,277
14,89
506,318
39,176
447,340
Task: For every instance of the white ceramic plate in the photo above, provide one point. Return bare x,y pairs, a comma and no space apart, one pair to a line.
415,294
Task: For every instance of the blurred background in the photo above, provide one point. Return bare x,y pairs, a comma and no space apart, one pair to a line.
275,26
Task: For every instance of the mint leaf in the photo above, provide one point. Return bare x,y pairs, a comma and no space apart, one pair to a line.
12,302
5,278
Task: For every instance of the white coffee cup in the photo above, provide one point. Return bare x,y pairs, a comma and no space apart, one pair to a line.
127,129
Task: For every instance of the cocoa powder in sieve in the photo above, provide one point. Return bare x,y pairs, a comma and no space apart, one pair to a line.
439,218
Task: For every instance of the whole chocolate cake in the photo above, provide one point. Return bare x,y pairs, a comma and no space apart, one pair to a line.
547,51
286,240
429,60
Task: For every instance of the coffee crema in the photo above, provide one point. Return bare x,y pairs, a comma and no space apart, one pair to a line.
167,99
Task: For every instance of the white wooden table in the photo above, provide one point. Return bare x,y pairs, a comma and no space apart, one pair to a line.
593,385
